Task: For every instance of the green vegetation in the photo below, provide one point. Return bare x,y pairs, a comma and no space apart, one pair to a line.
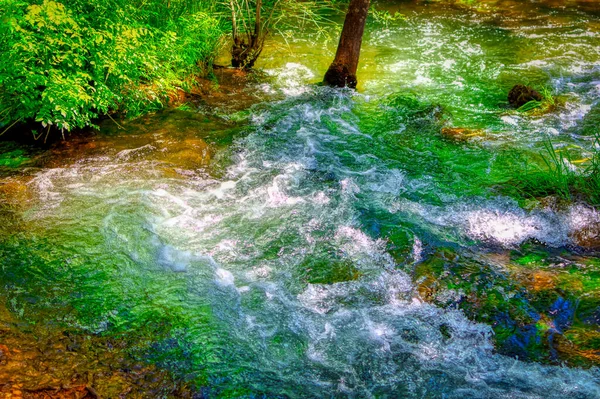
66,63
561,176
252,21
385,18
549,103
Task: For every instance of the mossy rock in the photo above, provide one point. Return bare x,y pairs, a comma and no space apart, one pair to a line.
520,95
587,237
535,308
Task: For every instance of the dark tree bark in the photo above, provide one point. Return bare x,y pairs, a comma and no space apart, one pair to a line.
342,72
245,53
245,50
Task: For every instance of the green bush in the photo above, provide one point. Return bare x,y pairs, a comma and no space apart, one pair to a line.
66,63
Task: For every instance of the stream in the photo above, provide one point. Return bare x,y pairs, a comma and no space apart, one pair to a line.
328,243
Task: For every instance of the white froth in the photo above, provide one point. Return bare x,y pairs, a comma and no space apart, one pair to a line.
503,222
135,152
277,195
172,258
505,228
257,273
223,188
321,198
348,186
417,250
292,79
224,277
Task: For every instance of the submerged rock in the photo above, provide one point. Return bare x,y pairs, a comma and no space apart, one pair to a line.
585,227
14,191
542,305
461,134
587,237
520,95
43,360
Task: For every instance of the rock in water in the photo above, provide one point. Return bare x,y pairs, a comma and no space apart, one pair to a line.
520,95
588,237
461,134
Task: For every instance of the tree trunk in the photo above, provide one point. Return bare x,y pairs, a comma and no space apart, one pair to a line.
244,53
342,71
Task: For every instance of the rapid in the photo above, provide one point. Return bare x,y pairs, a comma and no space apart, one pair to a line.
284,259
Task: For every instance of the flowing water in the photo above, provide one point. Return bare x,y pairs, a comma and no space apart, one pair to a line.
332,243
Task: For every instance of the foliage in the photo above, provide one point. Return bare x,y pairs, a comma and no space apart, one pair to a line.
66,63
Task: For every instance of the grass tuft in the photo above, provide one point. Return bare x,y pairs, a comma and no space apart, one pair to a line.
549,103
561,177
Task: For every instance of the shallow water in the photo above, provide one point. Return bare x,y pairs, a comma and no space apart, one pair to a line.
331,243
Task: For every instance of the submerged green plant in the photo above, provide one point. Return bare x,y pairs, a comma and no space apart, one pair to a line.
591,182
558,168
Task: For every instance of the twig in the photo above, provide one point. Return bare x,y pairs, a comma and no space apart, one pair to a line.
116,123
47,134
14,123
233,22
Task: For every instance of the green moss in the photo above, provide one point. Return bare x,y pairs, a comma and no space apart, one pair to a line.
45,283
531,259
526,316
13,159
